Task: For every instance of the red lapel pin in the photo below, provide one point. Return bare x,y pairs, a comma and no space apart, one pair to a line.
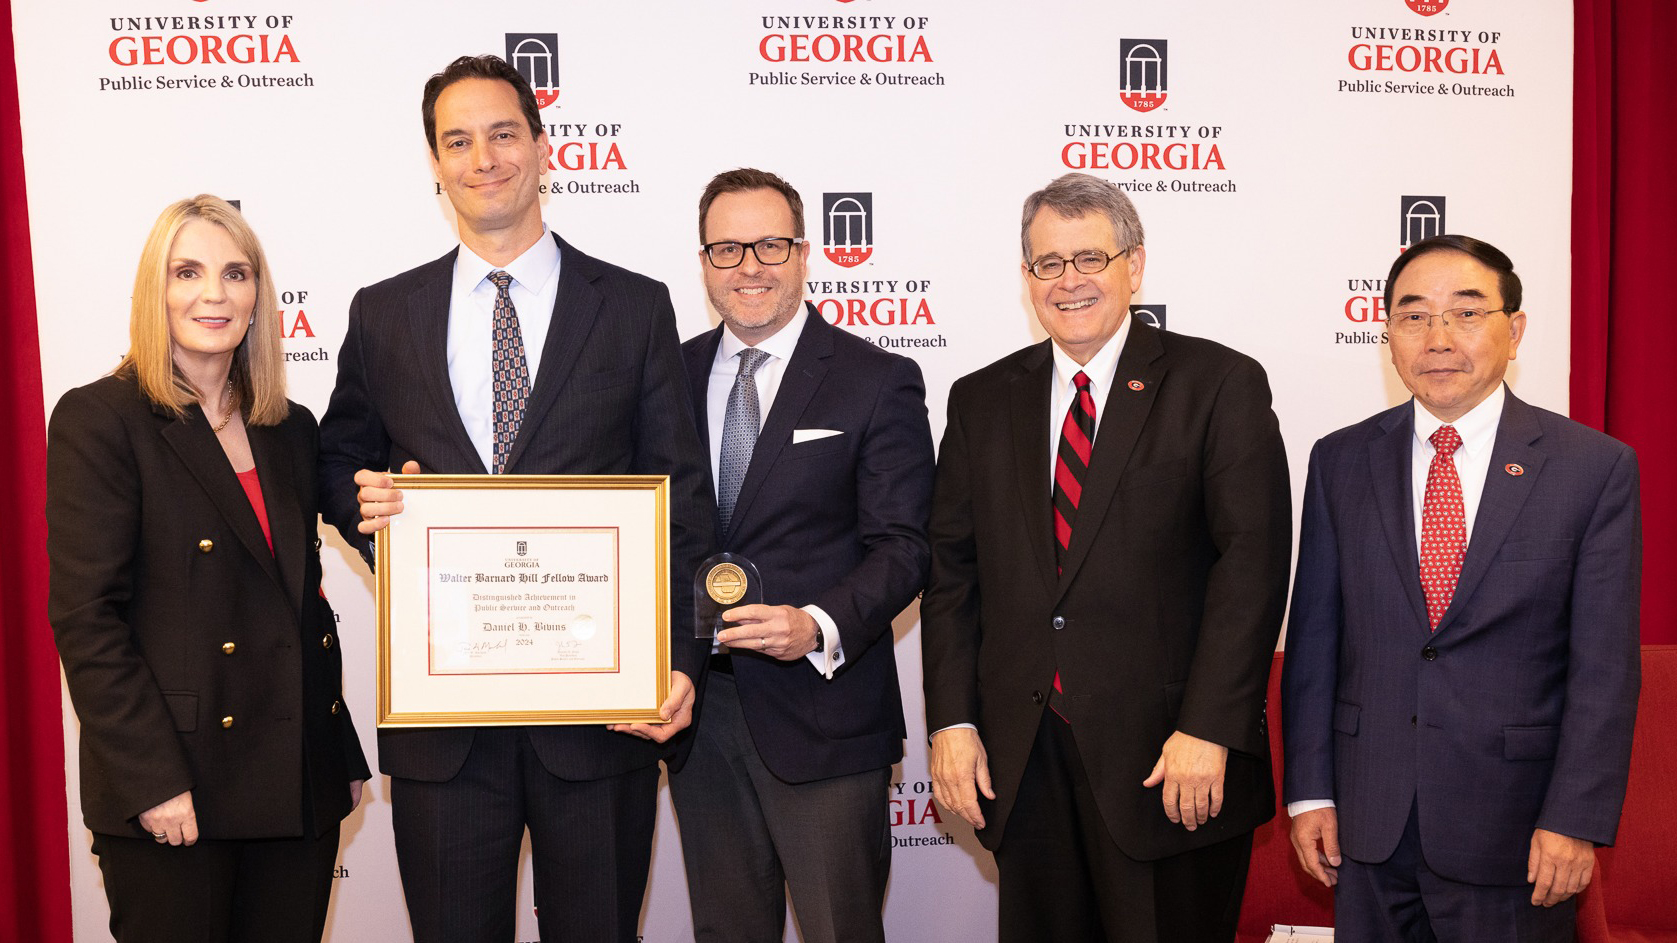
1513,469
1137,385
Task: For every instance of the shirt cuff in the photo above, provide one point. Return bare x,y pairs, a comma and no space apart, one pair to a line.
950,727
831,656
1296,809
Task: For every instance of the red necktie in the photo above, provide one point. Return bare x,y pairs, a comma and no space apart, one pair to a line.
1071,469
1443,526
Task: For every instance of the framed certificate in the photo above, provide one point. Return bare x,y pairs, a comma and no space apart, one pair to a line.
524,599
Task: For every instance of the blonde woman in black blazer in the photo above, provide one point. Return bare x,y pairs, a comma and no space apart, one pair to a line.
217,756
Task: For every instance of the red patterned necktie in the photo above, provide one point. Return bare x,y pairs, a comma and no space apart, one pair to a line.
510,371
1071,469
1443,526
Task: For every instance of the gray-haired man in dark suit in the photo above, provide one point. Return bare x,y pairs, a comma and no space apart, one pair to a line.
1462,658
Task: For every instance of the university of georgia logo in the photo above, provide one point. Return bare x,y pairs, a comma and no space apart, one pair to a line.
1150,315
536,57
1427,7
847,219
1420,217
523,548
1141,73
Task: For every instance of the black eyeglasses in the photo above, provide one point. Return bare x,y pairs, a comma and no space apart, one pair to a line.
774,250
1089,262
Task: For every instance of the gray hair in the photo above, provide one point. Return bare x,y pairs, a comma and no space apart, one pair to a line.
1074,195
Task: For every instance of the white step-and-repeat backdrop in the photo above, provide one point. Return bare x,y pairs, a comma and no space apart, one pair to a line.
1281,154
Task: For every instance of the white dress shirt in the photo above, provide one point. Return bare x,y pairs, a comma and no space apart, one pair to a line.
471,325
1477,427
1101,370
723,371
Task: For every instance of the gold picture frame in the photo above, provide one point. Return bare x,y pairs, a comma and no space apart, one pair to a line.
524,599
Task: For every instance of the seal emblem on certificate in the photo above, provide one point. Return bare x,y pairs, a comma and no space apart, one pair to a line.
724,581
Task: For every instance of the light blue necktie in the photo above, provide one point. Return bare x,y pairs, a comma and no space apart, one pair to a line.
739,433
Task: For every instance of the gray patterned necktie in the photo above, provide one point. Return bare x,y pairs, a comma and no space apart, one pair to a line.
509,370
739,433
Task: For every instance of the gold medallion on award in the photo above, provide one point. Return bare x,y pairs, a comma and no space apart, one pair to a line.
724,581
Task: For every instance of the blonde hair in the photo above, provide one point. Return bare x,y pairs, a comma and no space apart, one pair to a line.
258,370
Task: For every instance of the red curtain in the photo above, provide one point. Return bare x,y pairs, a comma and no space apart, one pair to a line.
1624,248
35,868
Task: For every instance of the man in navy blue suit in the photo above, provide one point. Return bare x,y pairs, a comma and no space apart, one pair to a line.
516,353
1462,655
822,458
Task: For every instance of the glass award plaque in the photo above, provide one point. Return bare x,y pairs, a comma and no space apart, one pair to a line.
723,581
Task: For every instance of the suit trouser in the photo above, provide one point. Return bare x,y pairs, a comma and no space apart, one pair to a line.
748,838
457,846
1064,879
268,890
1401,900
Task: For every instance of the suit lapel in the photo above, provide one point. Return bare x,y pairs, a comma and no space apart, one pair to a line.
701,356
1031,400
285,516
1389,457
798,383
1143,359
1501,501
428,314
575,309
202,455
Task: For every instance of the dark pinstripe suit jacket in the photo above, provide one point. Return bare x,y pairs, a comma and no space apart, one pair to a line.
610,398
839,522
1517,712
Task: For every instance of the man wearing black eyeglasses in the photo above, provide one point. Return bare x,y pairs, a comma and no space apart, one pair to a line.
1110,535
822,458
1462,658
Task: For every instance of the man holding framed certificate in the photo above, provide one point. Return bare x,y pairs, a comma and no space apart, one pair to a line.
822,457
518,354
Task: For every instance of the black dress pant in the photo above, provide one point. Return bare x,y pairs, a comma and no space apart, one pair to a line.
270,890
1064,879
457,845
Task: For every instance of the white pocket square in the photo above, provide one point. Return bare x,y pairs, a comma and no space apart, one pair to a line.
810,435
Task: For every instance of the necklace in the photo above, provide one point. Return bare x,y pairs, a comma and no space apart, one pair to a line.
227,407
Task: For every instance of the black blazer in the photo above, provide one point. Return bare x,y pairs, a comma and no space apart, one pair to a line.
610,399
196,659
839,522
1166,613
